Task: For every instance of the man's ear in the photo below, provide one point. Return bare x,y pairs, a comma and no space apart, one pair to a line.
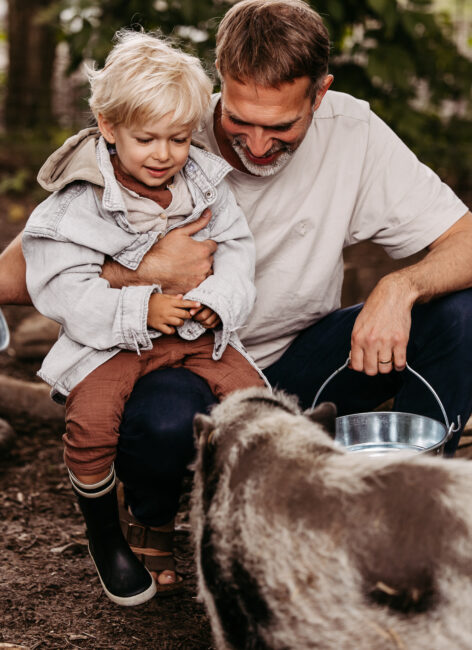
106,128
327,81
325,415
202,428
218,72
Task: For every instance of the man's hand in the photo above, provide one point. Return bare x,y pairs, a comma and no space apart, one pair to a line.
382,329
207,317
177,262
165,313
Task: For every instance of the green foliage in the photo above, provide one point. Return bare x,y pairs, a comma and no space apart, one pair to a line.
89,25
398,55
15,183
403,60
21,155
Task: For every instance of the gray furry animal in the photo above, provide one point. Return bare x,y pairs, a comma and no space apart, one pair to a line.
300,544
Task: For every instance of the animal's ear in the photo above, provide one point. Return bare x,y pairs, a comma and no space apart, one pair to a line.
324,414
202,428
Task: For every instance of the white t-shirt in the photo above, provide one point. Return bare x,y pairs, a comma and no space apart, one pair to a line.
351,179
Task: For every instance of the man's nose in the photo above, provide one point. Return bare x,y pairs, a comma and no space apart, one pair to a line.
258,141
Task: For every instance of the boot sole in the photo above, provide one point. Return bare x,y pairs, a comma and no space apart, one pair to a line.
128,601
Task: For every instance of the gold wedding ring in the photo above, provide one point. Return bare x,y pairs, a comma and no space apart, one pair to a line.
389,361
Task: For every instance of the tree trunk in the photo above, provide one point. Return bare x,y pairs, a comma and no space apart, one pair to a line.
32,45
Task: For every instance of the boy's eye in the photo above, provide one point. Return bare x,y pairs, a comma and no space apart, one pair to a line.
143,140
180,140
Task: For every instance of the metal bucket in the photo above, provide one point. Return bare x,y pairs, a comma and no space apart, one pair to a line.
381,432
4,332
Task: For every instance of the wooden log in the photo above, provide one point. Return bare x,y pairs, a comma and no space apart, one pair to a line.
34,337
18,397
7,436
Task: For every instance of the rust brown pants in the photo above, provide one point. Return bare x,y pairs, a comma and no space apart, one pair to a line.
94,408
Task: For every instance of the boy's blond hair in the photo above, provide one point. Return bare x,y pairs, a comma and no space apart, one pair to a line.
144,78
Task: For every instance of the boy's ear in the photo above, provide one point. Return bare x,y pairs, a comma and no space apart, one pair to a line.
106,129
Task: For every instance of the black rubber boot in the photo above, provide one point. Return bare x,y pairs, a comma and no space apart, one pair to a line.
124,579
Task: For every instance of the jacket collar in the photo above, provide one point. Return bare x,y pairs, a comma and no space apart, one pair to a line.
80,159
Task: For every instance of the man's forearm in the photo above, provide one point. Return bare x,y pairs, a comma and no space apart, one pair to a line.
13,275
381,332
447,266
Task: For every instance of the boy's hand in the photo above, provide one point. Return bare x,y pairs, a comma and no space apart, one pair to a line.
206,317
166,312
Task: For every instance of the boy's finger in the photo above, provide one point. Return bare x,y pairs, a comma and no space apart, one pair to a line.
212,322
166,329
182,314
186,304
175,320
203,314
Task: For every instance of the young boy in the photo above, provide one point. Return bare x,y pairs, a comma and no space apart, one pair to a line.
147,100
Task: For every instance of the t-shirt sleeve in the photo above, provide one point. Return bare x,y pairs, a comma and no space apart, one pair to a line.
402,204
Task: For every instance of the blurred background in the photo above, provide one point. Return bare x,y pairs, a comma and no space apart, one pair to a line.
411,59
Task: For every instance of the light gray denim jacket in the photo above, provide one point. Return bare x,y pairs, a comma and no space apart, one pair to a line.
68,236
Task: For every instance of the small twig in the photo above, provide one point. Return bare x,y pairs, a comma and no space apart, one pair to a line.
60,549
398,642
381,586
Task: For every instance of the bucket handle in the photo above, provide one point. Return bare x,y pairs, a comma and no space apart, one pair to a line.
4,333
451,428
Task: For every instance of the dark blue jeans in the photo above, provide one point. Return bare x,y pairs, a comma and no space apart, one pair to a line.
156,440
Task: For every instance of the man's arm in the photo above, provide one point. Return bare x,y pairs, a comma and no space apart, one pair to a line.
382,328
13,275
177,262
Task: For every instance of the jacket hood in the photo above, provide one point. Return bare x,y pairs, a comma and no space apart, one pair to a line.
74,161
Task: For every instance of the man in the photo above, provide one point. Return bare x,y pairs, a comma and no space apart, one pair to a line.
314,171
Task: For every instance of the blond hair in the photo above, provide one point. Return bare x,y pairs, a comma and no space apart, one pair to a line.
271,42
144,78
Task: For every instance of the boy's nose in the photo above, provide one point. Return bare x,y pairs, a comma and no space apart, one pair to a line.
161,151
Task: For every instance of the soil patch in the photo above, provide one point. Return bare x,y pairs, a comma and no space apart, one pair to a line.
50,595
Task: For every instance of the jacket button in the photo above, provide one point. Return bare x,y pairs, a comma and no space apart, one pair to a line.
163,215
208,194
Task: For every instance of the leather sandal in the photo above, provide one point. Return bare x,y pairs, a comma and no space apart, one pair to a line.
141,537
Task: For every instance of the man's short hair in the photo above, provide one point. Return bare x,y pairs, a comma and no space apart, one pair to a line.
144,78
271,42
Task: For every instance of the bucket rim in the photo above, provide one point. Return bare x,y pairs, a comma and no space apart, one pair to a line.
394,414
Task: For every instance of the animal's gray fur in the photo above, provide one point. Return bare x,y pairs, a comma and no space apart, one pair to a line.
302,545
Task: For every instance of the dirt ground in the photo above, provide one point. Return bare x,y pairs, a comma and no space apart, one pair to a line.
50,596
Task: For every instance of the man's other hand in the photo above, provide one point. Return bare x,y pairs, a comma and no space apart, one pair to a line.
176,262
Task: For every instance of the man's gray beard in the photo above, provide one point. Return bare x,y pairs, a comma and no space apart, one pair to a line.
262,170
